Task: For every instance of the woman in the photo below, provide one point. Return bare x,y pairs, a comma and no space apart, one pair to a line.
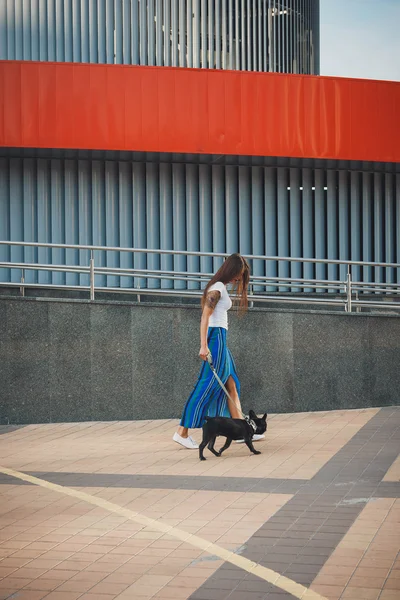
207,397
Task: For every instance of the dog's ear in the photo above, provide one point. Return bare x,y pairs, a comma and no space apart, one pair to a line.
264,417
252,414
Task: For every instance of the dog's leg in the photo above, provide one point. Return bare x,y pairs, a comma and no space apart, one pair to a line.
204,442
211,446
250,446
201,449
225,446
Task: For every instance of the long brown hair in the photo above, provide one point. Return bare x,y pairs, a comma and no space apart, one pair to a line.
236,268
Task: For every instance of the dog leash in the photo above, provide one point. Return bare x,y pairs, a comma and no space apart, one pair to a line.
246,418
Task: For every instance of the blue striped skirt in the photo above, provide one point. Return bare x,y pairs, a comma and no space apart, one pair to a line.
207,398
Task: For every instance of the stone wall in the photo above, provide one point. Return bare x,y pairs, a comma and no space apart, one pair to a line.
79,361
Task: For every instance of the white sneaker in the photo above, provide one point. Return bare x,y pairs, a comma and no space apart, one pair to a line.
256,437
186,442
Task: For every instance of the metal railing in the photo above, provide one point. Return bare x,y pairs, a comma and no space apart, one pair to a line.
344,293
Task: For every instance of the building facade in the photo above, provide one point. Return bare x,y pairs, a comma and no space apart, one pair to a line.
249,35
126,152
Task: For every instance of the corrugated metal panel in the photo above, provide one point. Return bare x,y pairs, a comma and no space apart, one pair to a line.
131,32
153,109
262,210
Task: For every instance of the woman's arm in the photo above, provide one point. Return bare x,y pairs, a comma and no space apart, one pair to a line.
210,304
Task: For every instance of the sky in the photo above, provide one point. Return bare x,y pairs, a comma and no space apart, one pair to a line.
360,38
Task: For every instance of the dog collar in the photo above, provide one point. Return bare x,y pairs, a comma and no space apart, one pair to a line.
252,424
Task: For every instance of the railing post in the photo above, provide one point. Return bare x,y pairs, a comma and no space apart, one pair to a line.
22,288
91,276
251,303
348,290
358,308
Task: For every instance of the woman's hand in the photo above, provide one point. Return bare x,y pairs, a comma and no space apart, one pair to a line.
204,352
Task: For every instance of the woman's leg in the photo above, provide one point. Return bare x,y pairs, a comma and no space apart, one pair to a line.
183,431
234,405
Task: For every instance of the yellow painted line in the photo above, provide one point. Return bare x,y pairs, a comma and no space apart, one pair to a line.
296,589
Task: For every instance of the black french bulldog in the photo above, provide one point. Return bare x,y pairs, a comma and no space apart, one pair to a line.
232,429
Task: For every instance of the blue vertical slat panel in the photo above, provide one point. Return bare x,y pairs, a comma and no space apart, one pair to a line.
260,21
69,32
77,31
226,15
5,253
218,213
105,30
283,223
85,31
249,35
308,225
232,209
109,32
86,211
174,33
366,224
119,38
127,33
29,215
112,218
295,224
72,224
258,222
389,226
182,33
139,218
125,220
60,31
332,224
98,217
166,221
26,30
16,214
159,34
44,216
344,220
167,33
355,222
196,33
153,219
210,64
238,54
205,212
231,29
192,220
10,24
245,235
189,32
19,30
320,224
398,225
93,28
4,31
203,22
218,34
179,218
135,39
270,212
143,32
243,52
57,218
378,226
265,46
151,33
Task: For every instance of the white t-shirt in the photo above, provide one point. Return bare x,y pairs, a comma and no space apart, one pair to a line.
219,317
